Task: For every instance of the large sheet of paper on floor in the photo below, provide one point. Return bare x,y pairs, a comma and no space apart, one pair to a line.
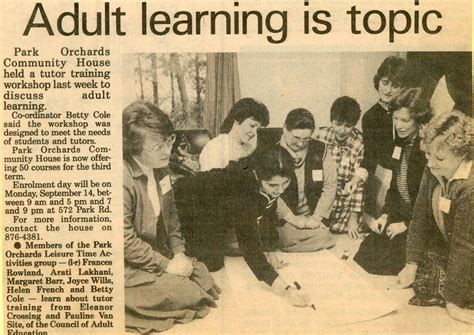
339,294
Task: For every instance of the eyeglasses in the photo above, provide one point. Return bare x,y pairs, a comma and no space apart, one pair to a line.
168,143
298,139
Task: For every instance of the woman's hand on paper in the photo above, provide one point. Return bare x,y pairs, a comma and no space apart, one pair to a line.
406,277
273,259
460,314
298,298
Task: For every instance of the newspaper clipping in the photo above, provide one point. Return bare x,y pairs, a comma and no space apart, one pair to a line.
236,166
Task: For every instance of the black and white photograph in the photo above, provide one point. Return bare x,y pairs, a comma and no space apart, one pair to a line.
261,189
236,167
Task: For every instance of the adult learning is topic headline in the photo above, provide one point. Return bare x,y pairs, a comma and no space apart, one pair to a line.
232,19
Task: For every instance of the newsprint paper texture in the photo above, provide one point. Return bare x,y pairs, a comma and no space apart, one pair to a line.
69,68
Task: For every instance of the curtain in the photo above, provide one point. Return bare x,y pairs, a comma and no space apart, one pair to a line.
222,89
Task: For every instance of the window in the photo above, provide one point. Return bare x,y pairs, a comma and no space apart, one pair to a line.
175,82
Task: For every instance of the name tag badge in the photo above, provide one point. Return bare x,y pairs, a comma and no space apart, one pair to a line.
444,205
165,184
397,152
317,175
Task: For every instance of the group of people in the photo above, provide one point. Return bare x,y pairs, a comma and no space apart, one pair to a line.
293,195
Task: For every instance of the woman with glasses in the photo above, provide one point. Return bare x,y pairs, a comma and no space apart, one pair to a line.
383,251
440,246
312,191
242,196
238,138
162,285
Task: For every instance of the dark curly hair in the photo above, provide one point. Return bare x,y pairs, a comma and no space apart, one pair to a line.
395,69
411,98
273,161
345,109
299,118
243,109
139,118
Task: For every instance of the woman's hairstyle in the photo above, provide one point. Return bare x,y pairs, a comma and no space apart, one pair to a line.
345,110
395,69
273,161
452,128
243,109
299,118
411,98
138,119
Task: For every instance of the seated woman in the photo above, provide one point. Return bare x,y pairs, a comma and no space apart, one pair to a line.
383,251
440,239
243,197
162,285
309,199
344,141
238,138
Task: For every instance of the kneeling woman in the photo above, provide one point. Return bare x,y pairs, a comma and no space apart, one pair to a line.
242,196
162,285
440,239
383,251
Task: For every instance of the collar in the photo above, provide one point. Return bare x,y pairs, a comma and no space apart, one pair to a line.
135,169
299,157
269,198
328,136
463,170
348,142
147,171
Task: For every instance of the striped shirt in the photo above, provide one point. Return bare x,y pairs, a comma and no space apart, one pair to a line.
348,156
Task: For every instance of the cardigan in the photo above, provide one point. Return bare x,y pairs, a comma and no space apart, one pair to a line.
219,151
348,156
143,261
230,198
393,200
377,131
320,180
424,234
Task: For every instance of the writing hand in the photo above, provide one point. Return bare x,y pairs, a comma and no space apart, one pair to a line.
274,261
298,298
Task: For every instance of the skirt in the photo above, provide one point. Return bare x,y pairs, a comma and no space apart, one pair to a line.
292,239
170,299
379,255
430,281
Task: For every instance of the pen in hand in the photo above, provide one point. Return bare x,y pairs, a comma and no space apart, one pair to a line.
298,287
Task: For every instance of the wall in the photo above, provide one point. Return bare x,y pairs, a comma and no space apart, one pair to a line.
284,81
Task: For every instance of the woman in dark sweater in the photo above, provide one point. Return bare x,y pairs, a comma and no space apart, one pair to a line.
383,251
377,129
440,242
242,196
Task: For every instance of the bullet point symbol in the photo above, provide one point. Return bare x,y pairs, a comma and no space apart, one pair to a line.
17,245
